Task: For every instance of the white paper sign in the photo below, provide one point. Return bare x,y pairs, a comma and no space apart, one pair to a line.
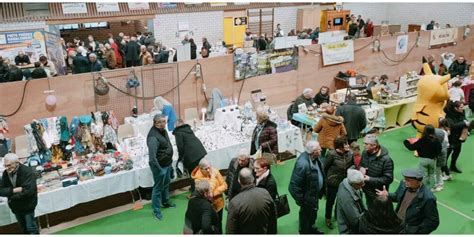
443,36
331,36
339,52
402,44
286,42
74,8
3,40
184,52
138,6
183,26
107,7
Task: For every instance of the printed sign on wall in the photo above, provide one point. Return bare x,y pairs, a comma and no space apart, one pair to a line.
402,44
443,36
74,8
240,21
107,7
32,42
339,52
138,6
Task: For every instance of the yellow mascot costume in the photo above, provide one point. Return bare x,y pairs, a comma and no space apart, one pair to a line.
432,96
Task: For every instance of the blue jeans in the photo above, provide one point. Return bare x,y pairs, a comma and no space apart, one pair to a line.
161,187
27,223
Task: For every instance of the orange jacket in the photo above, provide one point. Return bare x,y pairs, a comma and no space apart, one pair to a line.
328,128
217,183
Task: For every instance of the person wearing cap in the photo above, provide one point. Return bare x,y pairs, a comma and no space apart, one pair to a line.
307,186
377,167
349,206
242,160
416,203
18,184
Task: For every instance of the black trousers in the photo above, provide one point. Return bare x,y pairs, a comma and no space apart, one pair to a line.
219,214
330,200
456,151
307,220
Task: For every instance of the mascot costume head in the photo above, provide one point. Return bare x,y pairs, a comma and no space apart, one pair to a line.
432,96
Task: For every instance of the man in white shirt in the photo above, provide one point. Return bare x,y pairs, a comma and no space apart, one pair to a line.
447,58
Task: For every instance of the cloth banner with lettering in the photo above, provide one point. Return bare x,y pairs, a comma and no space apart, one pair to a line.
443,36
338,52
32,42
55,52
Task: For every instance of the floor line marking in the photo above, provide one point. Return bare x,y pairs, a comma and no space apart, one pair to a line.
448,207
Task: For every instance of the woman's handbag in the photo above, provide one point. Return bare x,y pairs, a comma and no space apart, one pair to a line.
101,86
132,81
282,205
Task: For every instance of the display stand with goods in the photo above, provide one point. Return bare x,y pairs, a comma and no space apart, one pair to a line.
408,84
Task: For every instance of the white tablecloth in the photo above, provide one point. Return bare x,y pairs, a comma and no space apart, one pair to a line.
289,139
65,198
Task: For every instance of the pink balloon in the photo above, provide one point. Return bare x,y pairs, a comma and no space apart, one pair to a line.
51,100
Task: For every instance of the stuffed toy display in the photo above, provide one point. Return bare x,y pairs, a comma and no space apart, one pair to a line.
432,96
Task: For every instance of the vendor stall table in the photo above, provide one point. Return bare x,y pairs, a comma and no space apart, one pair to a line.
289,139
64,198
398,111
374,114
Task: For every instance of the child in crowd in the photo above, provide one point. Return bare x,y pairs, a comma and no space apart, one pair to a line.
456,93
442,134
355,148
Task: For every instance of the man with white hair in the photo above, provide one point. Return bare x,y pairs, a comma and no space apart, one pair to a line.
253,210
242,160
80,62
19,186
307,187
305,98
96,65
349,206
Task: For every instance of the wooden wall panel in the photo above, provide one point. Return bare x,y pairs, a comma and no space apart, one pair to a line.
75,94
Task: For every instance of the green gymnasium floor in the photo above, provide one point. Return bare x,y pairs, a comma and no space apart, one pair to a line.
455,202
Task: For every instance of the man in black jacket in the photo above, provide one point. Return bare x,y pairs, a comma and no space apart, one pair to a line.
160,154
190,148
354,118
377,167
242,160
38,72
19,186
307,187
253,210
459,67
416,203
132,52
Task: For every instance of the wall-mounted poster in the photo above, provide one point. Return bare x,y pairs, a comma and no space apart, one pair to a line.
240,21
138,6
443,36
74,8
55,52
32,42
250,63
402,44
218,4
107,6
339,52
168,5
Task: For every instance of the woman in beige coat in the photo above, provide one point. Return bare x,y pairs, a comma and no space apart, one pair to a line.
328,128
